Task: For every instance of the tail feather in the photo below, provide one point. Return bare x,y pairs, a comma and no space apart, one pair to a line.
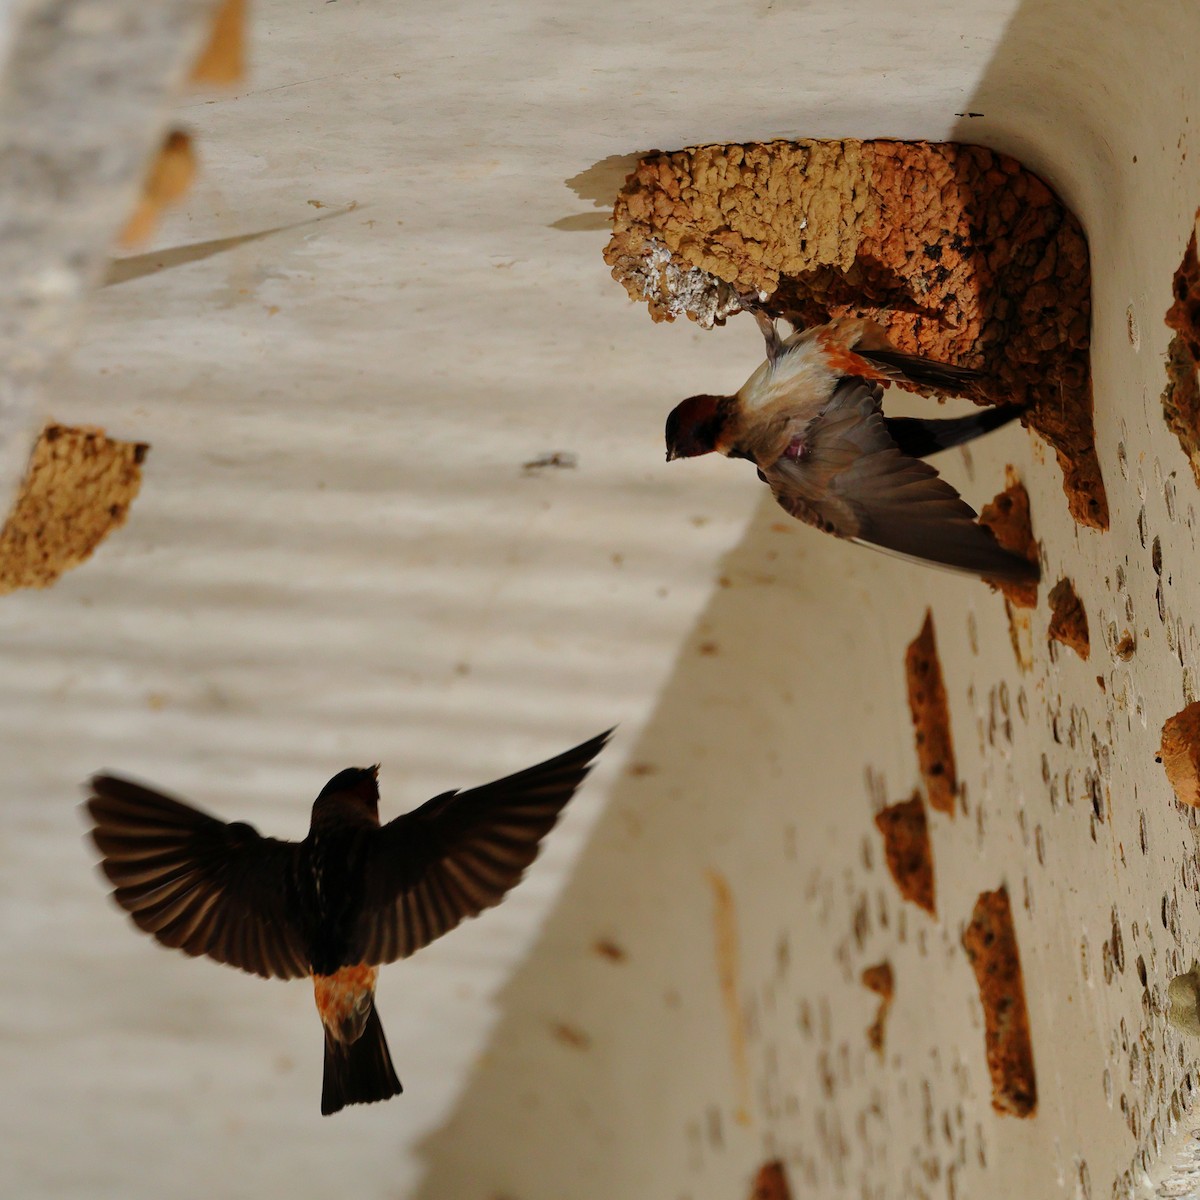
924,372
921,437
358,1072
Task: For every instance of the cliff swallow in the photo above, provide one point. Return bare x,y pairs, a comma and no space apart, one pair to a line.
812,420
353,894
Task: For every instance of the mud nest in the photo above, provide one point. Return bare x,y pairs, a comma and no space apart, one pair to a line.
961,253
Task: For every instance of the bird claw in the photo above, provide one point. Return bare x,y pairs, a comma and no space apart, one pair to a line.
766,325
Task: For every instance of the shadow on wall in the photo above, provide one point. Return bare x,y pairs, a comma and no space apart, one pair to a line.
1082,93
1028,100
722,877
694,1003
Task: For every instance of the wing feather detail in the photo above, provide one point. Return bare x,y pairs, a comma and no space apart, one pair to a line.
852,480
196,883
460,853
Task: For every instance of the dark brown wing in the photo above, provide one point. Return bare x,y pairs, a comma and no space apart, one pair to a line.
196,883
853,481
458,854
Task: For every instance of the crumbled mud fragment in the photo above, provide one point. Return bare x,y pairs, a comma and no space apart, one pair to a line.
1179,754
771,1183
1184,314
1181,401
1181,397
1007,516
1068,620
879,979
907,851
991,945
931,719
1183,1002
77,490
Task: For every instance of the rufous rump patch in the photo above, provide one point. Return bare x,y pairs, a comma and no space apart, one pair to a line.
339,996
843,360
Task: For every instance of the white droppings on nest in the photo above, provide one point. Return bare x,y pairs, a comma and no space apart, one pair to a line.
686,291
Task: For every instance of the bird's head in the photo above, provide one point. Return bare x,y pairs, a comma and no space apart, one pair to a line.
359,785
694,426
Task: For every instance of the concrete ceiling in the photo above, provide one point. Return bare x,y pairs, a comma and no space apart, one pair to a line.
338,557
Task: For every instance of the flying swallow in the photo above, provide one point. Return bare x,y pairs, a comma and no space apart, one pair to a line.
811,419
352,895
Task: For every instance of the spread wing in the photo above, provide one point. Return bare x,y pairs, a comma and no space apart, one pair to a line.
852,480
458,854
196,883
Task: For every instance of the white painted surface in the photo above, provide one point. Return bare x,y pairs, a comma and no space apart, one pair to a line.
335,522
83,96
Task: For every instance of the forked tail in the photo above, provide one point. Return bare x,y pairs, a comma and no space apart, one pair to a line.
923,436
358,1072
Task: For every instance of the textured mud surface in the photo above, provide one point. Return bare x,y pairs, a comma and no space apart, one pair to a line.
1180,754
991,946
931,718
78,489
1181,398
1068,619
1008,517
907,852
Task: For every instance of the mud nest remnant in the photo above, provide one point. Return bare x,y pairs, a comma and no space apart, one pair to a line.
931,718
1068,620
907,851
1184,314
880,980
959,251
1183,1001
1179,754
77,490
1008,517
991,945
771,1183
1181,398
